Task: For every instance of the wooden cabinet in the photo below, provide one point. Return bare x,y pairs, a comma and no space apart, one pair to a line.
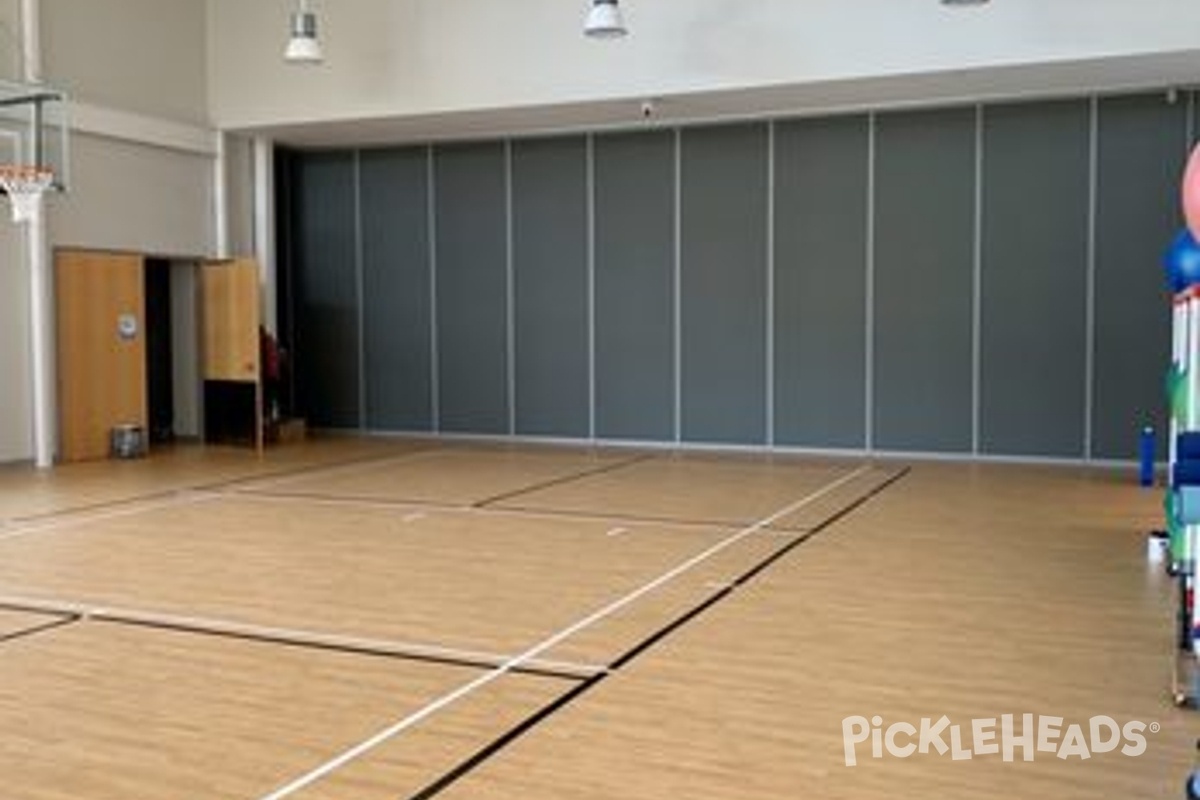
231,334
231,320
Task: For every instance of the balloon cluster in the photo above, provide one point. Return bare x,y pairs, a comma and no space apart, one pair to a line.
1182,259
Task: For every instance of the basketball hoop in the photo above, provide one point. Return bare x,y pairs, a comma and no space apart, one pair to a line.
25,186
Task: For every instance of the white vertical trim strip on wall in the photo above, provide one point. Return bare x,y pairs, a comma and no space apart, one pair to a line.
435,397
869,361
510,288
264,229
360,293
770,266
678,284
220,196
1089,363
977,286
591,283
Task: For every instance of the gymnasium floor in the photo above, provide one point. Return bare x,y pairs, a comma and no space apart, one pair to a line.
362,619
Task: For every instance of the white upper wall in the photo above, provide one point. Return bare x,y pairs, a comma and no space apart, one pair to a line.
128,196
16,429
396,58
142,56
10,40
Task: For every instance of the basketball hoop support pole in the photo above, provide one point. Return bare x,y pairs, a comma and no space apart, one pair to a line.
42,348
41,317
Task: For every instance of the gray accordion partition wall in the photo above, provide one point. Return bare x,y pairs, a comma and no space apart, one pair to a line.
962,280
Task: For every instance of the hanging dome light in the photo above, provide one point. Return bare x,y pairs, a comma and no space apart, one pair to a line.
604,20
303,46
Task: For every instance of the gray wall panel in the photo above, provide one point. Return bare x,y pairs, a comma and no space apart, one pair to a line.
924,251
820,281
551,286
635,318
396,313
472,308
724,233
1141,156
327,342
1033,282
1034,274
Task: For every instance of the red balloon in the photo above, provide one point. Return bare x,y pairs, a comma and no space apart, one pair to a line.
1191,193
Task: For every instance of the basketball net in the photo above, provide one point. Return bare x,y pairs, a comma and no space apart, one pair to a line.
25,187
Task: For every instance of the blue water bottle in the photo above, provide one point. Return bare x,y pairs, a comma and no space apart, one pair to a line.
1146,459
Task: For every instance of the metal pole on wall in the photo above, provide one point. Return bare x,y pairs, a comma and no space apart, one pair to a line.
41,315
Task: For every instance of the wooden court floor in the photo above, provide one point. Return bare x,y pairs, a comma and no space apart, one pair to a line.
364,618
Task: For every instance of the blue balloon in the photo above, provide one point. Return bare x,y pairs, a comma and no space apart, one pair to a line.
1182,262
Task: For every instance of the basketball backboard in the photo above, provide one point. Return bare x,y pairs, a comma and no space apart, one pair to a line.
34,130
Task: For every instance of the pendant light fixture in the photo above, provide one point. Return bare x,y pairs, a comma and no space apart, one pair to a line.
604,20
303,46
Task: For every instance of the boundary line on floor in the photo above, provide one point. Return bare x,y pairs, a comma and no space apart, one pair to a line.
295,637
23,633
547,644
483,755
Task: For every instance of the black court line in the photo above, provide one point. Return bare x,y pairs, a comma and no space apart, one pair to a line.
69,511
839,515
281,639
821,522
167,494
522,728
654,518
297,472
349,499
412,502
647,518
57,622
497,510
335,647
492,749
565,479
678,521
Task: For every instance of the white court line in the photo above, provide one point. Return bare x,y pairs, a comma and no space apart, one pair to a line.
547,644
615,532
298,636
130,509
785,533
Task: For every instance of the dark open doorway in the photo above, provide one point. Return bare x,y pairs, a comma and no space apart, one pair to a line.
160,370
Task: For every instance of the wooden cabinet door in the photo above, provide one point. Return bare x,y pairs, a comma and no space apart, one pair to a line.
231,318
100,305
